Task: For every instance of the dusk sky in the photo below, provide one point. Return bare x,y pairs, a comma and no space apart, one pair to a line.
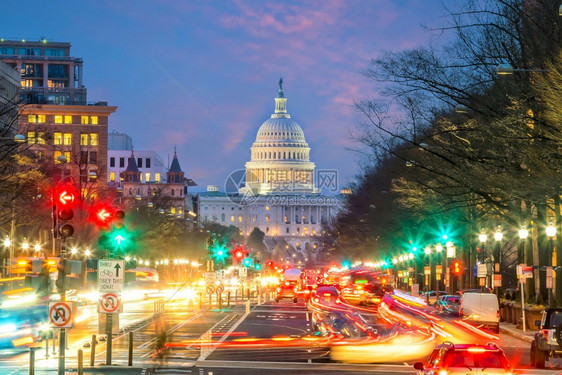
202,75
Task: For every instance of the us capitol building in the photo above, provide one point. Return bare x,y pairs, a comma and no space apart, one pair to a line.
277,192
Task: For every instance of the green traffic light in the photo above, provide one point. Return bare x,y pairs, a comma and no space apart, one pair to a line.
257,267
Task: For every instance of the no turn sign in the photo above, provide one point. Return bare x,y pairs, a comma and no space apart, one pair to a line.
109,303
60,314
210,289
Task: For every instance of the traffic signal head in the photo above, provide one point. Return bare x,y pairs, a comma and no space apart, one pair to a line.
239,254
64,205
257,265
247,262
104,216
456,267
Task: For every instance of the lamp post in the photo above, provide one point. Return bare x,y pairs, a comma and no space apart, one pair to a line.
427,252
498,236
483,237
550,232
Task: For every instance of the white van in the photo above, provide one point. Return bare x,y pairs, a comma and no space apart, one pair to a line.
481,309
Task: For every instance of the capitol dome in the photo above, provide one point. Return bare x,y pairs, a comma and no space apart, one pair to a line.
280,156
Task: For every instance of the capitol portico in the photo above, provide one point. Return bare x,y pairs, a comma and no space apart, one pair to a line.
279,194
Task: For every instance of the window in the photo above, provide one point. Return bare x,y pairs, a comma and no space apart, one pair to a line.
112,162
222,217
287,230
83,139
240,218
31,137
41,138
83,157
94,120
67,119
147,177
121,162
57,138
173,211
157,177
93,139
173,191
267,218
57,155
41,119
67,140
84,120
232,218
67,156
139,162
148,162
32,118
112,176
93,157
58,119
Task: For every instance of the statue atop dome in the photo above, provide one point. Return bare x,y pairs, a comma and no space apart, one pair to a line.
281,84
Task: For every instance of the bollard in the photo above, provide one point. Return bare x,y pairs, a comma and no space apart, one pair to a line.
93,351
130,348
247,306
32,361
248,293
47,343
80,362
228,299
219,301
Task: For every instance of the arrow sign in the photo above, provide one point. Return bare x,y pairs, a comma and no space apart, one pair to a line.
119,238
110,277
117,268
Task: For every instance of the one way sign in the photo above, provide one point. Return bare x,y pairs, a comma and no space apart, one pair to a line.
110,275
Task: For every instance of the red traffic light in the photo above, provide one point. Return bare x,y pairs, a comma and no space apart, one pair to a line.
66,197
239,254
456,267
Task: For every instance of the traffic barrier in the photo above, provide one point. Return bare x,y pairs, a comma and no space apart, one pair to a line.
130,348
93,351
32,361
80,362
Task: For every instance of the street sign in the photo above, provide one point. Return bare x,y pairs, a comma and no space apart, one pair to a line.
220,288
60,314
481,270
482,281
111,275
497,281
427,270
109,303
243,272
549,282
438,269
415,289
210,277
524,271
210,289
548,271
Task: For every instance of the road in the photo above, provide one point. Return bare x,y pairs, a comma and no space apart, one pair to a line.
233,341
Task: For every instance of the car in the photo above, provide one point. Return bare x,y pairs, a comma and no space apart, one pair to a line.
326,293
480,309
287,289
548,341
361,288
448,304
451,359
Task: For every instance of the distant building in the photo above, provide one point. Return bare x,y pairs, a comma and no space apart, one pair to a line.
9,83
149,163
279,194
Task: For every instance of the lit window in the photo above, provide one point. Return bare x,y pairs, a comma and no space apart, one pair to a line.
94,120
58,119
84,120
112,176
83,139
31,137
67,156
93,139
67,139
32,118
41,119
240,219
267,218
173,211
157,177
41,138
232,218
27,83
57,138
57,154
67,119
147,177
267,208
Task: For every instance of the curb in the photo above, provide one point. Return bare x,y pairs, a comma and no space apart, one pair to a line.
515,334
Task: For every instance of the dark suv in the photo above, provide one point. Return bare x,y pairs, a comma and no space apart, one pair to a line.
548,341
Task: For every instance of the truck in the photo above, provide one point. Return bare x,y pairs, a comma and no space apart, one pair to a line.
288,285
547,343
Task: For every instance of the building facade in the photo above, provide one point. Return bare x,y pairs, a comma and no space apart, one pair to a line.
48,74
279,195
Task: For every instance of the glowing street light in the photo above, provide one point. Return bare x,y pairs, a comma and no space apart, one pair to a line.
74,251
87,252
7,242
498,236
550,230
483,237
25,245
37,247
523,233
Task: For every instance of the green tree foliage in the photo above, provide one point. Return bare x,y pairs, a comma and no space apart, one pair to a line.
255,240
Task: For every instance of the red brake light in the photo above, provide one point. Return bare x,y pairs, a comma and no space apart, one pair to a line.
545,333
476,349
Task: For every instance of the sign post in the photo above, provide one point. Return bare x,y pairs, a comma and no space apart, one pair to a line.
111,277
60,316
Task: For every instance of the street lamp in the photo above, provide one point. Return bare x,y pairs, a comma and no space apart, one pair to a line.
25,245
550,232
37,247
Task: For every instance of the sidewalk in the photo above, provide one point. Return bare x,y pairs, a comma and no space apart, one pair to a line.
512,330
